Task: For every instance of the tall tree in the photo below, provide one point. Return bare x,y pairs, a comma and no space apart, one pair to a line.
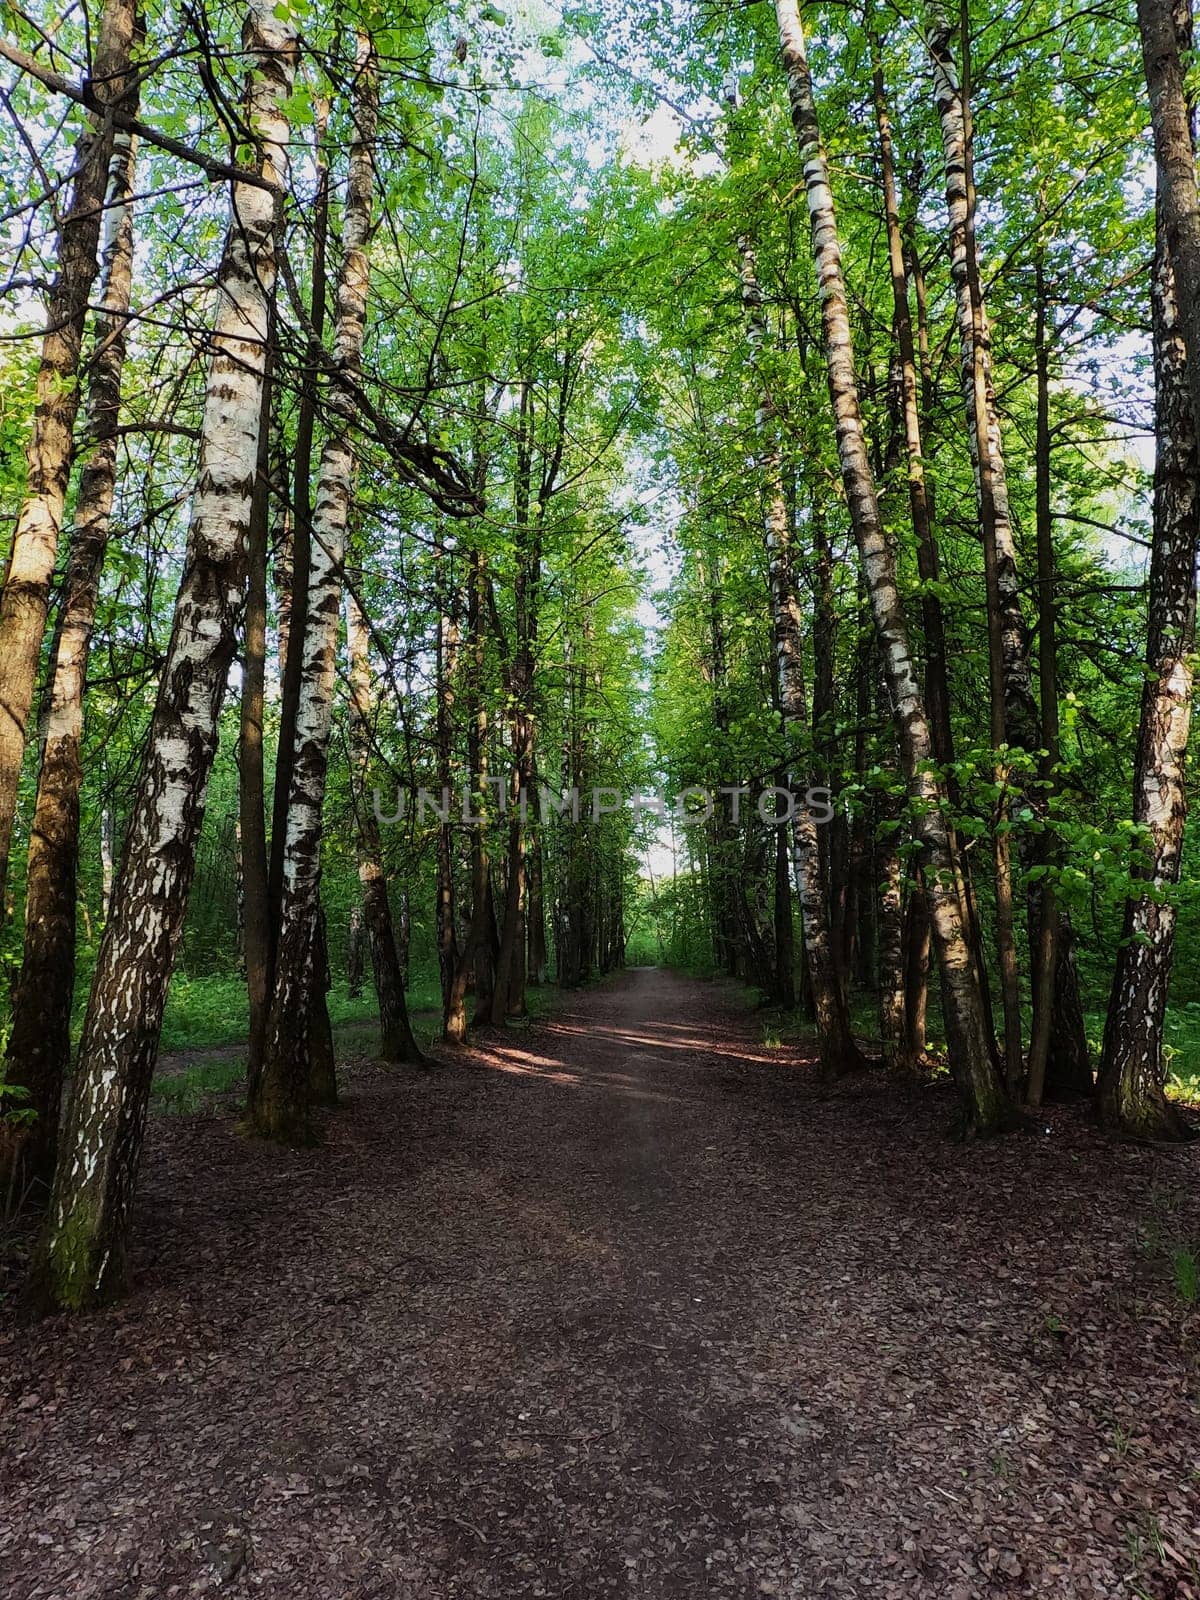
82,1255
1132,1071
281,1108
26,593
982,1094
1013,710
39,1044
838,1051
396,1041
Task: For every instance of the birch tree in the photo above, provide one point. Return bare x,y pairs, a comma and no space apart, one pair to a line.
396,1042
82,1255
838,1051
1131,1087
39,1044
26,593
282,1104
1014,713
983,1100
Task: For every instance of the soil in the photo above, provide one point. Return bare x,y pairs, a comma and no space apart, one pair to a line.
630,1304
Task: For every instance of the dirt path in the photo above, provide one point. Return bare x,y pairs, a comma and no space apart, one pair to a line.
626,1305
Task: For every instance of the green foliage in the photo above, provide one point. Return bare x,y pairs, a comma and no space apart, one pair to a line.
14,1112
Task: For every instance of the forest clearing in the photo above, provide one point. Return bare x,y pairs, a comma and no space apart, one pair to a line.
599,942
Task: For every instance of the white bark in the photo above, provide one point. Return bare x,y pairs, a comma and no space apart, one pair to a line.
82,1260
283,1098
970,1058
26,592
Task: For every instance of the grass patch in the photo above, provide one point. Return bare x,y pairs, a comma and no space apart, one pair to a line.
183,1094
210,1012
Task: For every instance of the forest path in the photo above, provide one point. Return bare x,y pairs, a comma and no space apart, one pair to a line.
623,1304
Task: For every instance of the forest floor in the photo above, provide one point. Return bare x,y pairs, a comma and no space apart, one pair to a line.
623,1304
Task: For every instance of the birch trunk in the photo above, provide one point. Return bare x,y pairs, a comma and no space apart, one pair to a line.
508,998
1067,1048
1162,22
836,1045
281,1110
297,565
396,1042
447,944
979,394
39,1045
253,900
984,1106
1132,1070
919,499
1011,693
82,1256
26,594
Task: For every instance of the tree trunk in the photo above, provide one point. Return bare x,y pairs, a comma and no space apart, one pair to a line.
476,956
1058,1051
1161,27
26,594
892,990
984,1105
252,799
108,828
835,1043
298,552
916,975
1132,1096
396,1041
281,1110
937,691
445,665
39,1044
536,918
508,998
354,954
81,1259
785,938
1010,690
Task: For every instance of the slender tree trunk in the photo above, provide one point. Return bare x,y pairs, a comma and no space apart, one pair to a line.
26,593
1163,23
298,558
252,800
281,1110
1132,1070
835,1042
785,938
1010,691
396,1036
937,691
107,832
892,989
39,1044
916,975
354,954
984,1105
81,1260
1058,1051
508,998
445,665
535,920
404,936
476,957
536,960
